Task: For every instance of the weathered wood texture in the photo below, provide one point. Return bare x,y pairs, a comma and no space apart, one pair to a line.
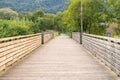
47,37
105,48
60,59
14,48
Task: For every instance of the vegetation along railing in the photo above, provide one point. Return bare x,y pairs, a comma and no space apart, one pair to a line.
105,48
14,49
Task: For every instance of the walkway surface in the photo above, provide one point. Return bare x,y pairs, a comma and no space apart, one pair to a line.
60,59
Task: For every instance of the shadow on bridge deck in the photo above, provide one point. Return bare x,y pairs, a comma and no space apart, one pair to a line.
60,59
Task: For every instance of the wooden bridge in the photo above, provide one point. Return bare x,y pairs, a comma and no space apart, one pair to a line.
62,58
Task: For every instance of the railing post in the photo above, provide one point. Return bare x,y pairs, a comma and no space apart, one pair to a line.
42,41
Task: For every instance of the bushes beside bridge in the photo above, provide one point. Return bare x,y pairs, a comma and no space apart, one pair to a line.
10,28
28,23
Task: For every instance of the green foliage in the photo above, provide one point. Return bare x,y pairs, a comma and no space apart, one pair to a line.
6,13
72,16
117,32
94,17
36,14
10,28
59,23
56,34
29,23
45,23
49,6
97,14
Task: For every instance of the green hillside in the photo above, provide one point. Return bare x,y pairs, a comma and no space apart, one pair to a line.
49,6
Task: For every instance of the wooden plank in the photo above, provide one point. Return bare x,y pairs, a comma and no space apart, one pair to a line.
12,44
18,46
105,48
62,58
47,37
15,48
2,67
18,37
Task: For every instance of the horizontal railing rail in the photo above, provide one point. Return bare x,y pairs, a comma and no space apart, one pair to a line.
105,48
17,37
14,49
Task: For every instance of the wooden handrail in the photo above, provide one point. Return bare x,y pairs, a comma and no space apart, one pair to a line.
113,40
13,49
105,48
17,37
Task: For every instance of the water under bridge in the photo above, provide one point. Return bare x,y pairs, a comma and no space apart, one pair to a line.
61,58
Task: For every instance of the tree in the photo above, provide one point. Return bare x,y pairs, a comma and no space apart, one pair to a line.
58,23
6,13
72,16
36,14
10,28
93,16
45,23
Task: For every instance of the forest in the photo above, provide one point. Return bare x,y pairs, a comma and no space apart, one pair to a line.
99,17
48,6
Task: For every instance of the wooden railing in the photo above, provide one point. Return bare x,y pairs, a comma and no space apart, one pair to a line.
14,49
105,48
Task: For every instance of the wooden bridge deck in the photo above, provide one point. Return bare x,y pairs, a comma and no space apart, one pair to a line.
60,59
